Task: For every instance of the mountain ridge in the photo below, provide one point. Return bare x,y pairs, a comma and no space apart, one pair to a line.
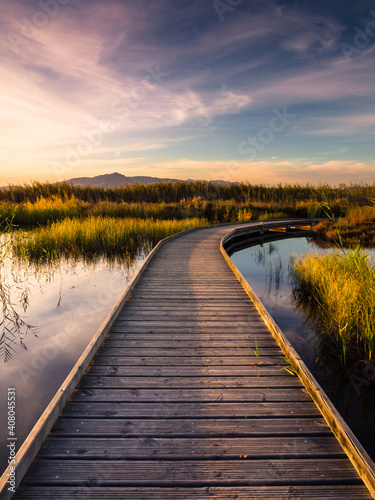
118,180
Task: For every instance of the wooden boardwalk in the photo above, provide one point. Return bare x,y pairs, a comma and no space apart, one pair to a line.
177,405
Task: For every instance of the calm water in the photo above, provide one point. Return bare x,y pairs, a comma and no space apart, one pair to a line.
66,304
266,270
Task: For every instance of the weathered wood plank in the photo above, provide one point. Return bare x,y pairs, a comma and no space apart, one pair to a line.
154,309
203,328
211,294
165,335
113,357
184,395
191,410
226,344
168,473
249,358
91,380
120,427
194,320
255,370
257,492
192,447
188,304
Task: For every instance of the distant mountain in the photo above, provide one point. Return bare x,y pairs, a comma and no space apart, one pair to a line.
115,180
118,180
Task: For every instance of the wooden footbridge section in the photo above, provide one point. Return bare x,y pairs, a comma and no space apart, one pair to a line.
188,398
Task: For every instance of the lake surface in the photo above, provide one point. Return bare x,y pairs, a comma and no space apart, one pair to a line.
66,303
266,270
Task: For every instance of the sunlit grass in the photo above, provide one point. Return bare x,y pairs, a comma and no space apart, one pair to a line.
357,227
44,211
97,236
337,293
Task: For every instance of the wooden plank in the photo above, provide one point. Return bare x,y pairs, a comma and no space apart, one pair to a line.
167,472
92,381
159,310
192,447
246,353
191,410
171,335
108,357
210,305
187,344
193,294
188,321
183,395
254,331
257,492
120,427
255,370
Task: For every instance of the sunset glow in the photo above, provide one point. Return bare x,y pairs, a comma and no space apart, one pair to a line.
262,91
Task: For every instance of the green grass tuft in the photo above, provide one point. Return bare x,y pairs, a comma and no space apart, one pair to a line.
97,236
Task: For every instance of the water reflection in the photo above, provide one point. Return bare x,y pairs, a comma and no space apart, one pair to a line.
270,259
352,391
21,283
67,301
14,301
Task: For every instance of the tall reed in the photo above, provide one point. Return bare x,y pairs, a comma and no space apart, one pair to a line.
337,293
97,236
44,211
173,192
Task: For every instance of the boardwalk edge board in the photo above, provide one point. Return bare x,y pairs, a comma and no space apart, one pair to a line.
349,442
40,431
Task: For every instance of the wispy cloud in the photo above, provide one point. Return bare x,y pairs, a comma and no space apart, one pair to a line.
266,172
161,71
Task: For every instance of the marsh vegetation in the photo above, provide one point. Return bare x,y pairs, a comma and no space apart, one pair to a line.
54,221
39,204
336,292
95,237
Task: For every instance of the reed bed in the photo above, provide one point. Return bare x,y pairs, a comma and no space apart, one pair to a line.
44,211
174,192
355,228
336,291
97,237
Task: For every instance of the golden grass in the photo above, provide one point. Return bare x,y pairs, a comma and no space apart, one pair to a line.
97,236
337,293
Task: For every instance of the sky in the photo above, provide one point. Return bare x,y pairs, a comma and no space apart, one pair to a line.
268,91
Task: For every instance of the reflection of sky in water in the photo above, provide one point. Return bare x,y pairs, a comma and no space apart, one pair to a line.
67,306
260,267
358,409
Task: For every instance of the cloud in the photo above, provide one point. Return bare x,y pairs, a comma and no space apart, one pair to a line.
265,172
161,72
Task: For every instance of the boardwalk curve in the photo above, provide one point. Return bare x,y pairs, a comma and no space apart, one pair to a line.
188,398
